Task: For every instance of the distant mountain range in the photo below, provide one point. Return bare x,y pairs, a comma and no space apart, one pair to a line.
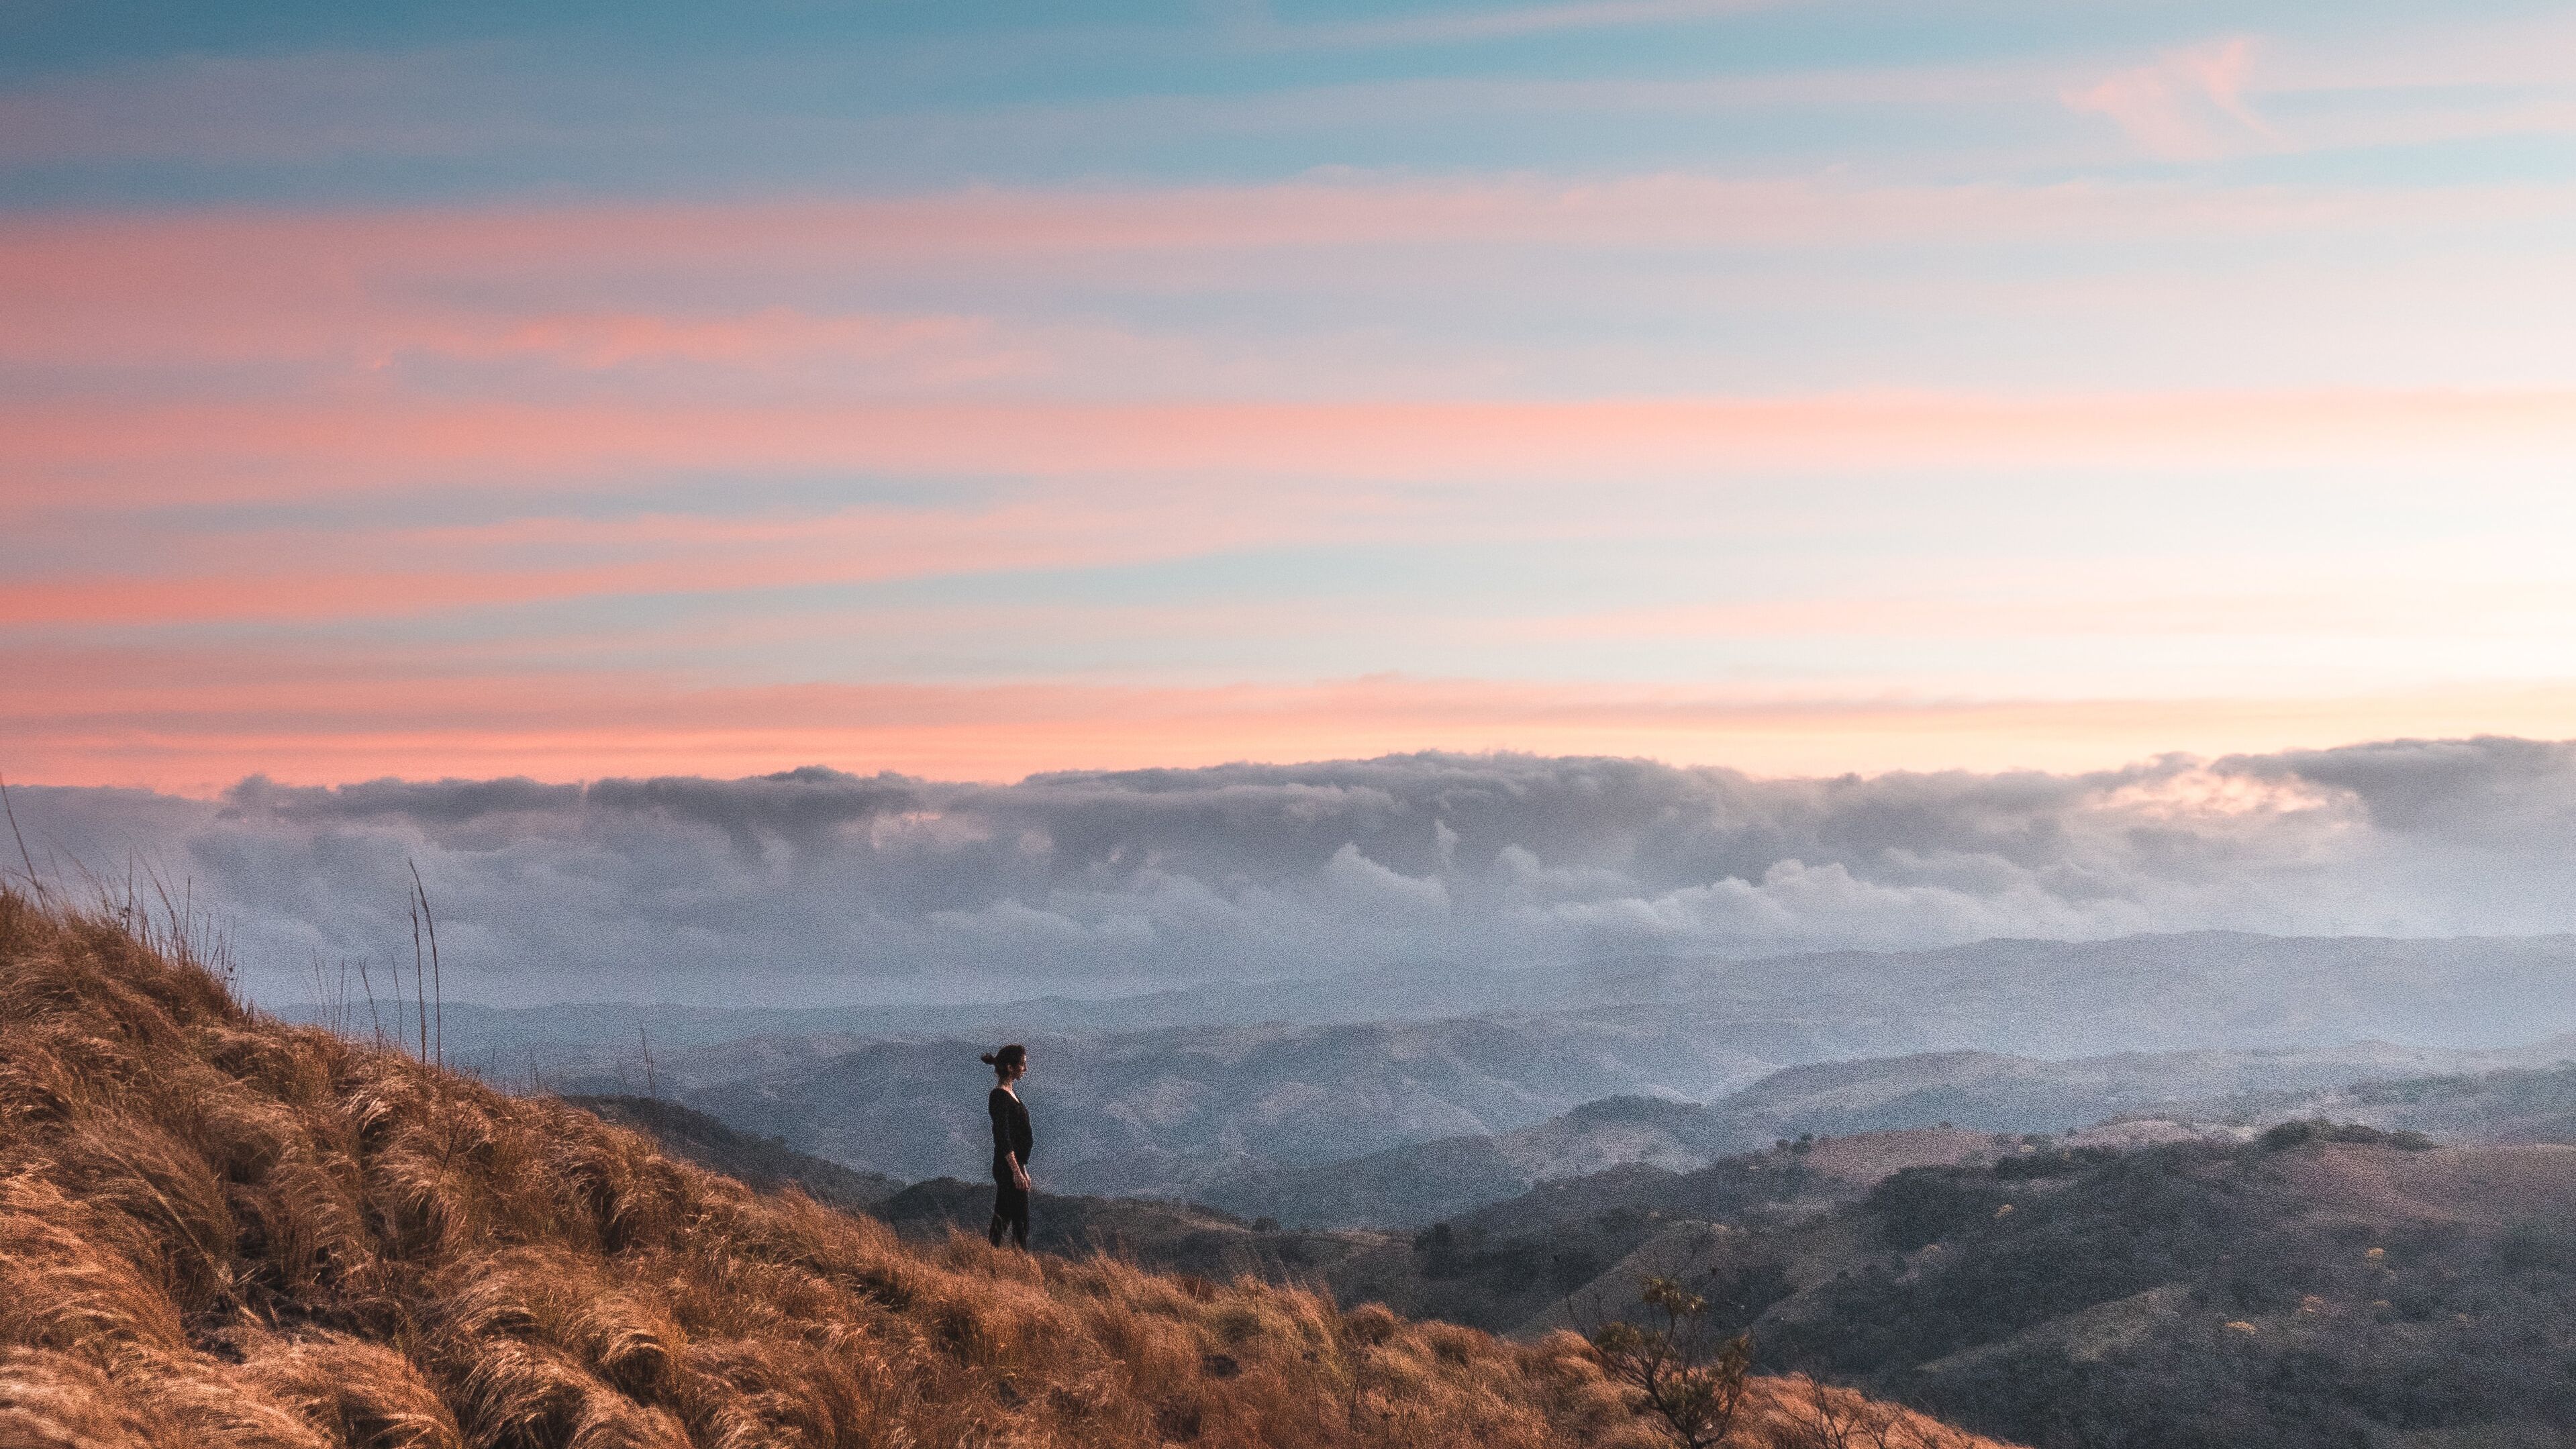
2036,998
1330,1127
1978,1091
1167,1111
1358,1103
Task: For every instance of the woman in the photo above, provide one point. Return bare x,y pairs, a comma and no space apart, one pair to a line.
1010,1145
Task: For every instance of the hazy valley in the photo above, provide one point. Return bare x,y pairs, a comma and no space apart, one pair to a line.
1412,1117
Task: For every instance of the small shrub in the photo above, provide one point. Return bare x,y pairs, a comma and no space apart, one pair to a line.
2317,1130
1676,1367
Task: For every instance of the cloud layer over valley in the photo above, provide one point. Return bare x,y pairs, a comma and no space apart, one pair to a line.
819,887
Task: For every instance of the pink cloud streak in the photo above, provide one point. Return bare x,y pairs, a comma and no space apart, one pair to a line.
88,454
314,575
94,256
2353,608
87,720
2187,105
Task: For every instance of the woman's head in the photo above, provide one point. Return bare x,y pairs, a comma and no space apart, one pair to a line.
1009,1063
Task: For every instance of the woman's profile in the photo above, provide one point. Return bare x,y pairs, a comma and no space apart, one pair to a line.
1011,1144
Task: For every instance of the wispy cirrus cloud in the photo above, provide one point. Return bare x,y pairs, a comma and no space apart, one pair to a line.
2186,105
2383,608
353,573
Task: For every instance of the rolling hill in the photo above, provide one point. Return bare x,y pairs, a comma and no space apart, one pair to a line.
761,1162
2319,1286
2513,1105
1507,1263
1422,1183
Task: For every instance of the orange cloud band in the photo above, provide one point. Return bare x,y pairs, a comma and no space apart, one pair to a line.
85,723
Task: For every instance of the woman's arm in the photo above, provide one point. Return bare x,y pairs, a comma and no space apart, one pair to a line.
1019,1174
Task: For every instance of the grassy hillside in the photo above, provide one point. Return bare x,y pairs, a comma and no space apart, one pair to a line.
761,1162
1171,1236
220,1231
1506,1263
1174,1237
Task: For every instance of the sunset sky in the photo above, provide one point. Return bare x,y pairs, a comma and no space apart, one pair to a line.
970,390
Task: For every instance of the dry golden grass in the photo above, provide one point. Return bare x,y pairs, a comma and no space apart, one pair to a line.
219,1231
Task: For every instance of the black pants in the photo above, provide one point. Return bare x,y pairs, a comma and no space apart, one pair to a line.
1010,1209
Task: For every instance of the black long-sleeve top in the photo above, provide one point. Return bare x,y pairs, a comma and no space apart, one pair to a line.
1010,1129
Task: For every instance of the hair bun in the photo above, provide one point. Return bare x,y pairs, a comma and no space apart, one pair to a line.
989,1059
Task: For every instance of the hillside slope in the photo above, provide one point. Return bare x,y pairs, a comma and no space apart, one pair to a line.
1172,1237
219,1231
1990,1092
761,1162
1505,1263
2318,1287
2516,1105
